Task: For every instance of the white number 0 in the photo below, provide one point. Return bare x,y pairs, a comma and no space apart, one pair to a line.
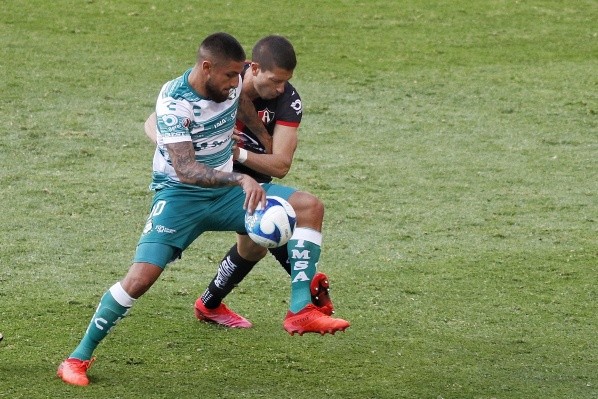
158,208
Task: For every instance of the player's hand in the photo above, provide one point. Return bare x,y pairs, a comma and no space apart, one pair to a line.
255,196
238,142
237,136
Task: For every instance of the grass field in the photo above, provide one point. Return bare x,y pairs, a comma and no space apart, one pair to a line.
455,145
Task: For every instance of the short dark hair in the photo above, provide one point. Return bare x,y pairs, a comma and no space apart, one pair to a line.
274,51
221,46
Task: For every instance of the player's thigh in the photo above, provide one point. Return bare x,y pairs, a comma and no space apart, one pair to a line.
277,190
177,217
226,212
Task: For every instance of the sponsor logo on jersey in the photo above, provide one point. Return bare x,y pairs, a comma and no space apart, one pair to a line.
220,123
212,144
296,105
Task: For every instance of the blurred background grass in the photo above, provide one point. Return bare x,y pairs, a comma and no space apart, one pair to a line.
454,145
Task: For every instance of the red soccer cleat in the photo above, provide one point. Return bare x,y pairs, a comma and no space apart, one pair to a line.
74,371
310,319
320,294
221,315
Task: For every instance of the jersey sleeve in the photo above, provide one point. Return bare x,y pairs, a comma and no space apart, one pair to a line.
173,120
290,109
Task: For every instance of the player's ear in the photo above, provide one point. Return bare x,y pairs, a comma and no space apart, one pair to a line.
206,66
255,67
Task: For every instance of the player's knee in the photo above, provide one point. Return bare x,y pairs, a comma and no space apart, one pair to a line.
140,278
253,252
306,203
317,205
249,250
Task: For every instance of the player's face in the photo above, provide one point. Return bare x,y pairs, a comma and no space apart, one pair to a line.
222,78
270,84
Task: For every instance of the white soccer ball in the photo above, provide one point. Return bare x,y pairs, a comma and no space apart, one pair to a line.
272,226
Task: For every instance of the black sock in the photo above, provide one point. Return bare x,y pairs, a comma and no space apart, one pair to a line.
231,271
282,256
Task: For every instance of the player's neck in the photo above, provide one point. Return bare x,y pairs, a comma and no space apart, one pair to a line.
197,82
248,87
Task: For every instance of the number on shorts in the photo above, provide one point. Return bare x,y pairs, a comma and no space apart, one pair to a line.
158,208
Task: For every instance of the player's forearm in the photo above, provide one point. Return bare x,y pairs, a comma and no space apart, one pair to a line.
248,115
189,171
205,176
269,164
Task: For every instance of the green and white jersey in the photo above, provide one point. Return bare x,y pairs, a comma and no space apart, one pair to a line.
184,115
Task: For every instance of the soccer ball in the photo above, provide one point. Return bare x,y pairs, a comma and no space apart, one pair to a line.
272,226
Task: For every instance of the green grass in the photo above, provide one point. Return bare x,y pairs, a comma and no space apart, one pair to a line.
455,145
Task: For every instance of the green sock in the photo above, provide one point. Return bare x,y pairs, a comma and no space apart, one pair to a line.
114,305
304,253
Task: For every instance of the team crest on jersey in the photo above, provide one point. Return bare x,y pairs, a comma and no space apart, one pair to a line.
266,116
232,94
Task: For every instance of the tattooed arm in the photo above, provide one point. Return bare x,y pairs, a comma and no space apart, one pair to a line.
248,115
189,171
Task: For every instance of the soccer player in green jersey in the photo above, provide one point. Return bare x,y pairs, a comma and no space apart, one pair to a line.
278,105
196,191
